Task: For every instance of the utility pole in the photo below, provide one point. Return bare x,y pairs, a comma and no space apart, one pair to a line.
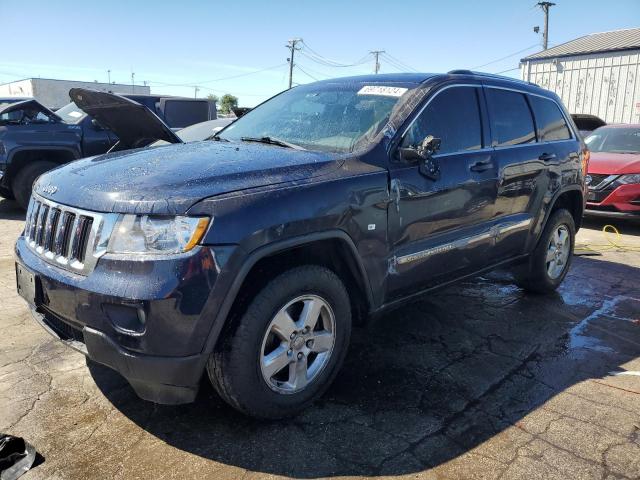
195,93
291,45
133,82
545,6
109,77
376,54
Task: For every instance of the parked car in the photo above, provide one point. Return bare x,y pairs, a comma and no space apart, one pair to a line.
614,172
587,123
249,257
34,139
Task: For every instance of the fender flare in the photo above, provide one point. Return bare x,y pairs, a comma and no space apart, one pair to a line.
552,202
75,153
258,254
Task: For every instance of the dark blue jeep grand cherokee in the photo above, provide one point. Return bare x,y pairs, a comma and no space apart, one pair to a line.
249,256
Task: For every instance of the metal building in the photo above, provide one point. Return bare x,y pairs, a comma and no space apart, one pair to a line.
596,74
54,93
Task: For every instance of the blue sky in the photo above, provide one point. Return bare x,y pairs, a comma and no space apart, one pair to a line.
169,43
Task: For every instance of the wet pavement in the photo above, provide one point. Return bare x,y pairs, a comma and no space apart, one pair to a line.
476,381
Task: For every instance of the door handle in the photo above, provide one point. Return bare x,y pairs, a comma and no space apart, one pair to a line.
547,157
481,165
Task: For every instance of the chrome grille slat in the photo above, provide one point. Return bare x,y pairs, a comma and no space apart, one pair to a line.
34,219
54,213
70,251
58,243
42,218
68,237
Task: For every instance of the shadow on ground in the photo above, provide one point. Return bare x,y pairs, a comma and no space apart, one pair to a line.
424,384
9,210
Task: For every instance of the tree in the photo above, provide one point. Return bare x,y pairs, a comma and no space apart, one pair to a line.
213,98
227,102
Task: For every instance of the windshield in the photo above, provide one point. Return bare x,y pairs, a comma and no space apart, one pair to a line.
329,117
70,113
614,140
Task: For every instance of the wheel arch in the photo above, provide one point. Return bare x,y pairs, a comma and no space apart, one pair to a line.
280,256
22,156
572,199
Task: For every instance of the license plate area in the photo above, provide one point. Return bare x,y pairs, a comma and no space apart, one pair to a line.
27,284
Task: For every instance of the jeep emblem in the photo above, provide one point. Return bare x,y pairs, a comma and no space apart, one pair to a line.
49,189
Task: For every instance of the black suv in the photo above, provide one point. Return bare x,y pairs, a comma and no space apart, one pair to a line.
249,256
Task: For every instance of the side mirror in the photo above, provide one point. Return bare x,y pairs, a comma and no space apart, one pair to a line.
429,146
428,166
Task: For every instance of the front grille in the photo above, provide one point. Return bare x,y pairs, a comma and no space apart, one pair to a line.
68,237
600,181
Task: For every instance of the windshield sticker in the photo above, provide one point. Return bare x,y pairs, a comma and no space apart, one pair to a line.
75,114
382,90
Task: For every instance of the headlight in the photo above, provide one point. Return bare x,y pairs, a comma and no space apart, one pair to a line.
149,234
626,179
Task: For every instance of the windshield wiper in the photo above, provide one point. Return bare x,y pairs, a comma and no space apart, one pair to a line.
272,141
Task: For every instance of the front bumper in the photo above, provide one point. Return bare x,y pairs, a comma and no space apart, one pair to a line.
165,380
148,320
622,201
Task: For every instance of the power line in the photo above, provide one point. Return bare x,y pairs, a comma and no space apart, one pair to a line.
306,73
505,57
315,72
505,71
402,65
313,55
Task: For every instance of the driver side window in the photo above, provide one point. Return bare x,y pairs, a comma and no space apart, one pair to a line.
453,116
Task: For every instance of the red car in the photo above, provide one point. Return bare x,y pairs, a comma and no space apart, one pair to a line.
614,171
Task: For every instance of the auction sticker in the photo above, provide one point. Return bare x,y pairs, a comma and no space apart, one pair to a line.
382,90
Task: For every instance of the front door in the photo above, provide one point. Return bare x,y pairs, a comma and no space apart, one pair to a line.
443,228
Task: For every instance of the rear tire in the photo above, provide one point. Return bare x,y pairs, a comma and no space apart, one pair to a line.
23,181
550,261
270,363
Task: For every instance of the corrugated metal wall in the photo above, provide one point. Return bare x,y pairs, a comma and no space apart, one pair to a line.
603,84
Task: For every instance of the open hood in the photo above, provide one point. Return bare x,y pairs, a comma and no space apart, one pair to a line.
31,108
135,125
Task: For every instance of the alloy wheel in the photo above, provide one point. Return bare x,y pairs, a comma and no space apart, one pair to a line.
558,251
297,344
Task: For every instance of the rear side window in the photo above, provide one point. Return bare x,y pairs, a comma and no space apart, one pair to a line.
551,124
511,121
453,116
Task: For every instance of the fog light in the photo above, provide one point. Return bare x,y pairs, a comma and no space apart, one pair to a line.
126,319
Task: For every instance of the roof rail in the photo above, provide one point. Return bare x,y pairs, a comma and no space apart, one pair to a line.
460,71
488,75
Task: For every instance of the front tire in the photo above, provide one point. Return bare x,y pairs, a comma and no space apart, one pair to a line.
288,346
551,259
23,181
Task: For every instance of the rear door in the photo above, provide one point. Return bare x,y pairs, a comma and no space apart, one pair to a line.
522,172
441,229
